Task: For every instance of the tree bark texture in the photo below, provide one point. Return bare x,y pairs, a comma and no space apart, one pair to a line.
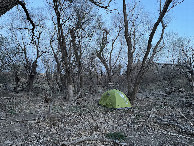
62,48
103,60
32,76
78,57
66,81
130,52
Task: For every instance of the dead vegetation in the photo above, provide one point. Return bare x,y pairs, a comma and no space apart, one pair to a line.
155,119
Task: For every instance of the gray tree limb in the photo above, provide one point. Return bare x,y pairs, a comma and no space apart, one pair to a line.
6,5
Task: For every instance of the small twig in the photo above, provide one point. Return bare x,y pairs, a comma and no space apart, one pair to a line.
77,96
174,5
151,114
184,116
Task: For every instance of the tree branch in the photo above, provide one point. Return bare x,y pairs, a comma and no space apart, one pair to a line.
6,5
113,42
174,5
165,8
155,50
99,4
23,5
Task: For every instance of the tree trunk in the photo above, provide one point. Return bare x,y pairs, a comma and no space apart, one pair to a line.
78,57
130,53
143,65
69,85
80,81
32,76
30,82
58,81
80,77
109,76
17,79
133,90
129,75
70,92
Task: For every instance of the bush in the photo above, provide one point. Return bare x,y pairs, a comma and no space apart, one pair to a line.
116,136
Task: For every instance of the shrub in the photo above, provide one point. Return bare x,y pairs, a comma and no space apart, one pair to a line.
116,136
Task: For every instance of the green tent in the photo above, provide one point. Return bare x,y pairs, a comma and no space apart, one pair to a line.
114,99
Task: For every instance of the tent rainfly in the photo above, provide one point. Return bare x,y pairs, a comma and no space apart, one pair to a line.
114,99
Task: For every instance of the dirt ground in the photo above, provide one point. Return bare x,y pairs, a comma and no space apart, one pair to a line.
156,119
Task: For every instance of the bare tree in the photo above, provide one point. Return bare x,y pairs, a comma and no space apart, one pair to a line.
108,62
62,47
24,44
73,33
132,89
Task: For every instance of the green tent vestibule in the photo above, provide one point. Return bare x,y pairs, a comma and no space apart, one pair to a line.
115,99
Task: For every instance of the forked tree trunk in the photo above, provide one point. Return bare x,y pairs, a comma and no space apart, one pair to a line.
130,51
